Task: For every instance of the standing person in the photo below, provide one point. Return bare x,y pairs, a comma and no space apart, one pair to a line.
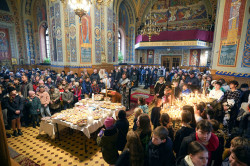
14,105
26,86
142,104
86,87
205,136
95,76
159,88
54,100
134,81
67,98
232,96
107,140
197,155
34,108
192,81
95,88
117,77
156,113
161,148
125,85
122,125
216,93
138,111
184,131
165,121
146,77
45,100
144,131
133,151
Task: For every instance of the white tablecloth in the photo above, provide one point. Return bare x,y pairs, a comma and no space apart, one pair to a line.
90,128
50,128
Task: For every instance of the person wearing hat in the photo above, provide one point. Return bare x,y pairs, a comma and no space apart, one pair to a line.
41,83
14,105
54,100
107,140
49,82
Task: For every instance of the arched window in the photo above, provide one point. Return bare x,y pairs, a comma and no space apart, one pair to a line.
47,43
119,41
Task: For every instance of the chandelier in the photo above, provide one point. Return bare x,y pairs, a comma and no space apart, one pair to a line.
102,2
80,7
150,29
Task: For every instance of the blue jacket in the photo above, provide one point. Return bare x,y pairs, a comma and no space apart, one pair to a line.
186,92
86,87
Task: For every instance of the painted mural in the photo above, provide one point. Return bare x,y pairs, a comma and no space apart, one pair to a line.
246,53
5,51
110,34
194,59
86,39
97,35
30,40
231,32
150,54
58,34
188,10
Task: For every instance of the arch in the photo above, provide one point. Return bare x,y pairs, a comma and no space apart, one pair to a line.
42,38
123,42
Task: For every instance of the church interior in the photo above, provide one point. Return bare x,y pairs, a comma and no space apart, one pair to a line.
46,42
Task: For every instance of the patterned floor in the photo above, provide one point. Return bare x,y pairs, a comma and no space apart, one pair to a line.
69,150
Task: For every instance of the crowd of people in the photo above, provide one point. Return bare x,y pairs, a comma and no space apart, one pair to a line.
210,134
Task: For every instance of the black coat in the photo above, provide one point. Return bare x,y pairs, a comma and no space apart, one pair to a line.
122,127
124,159
12,106
95,76
155,116
180,134
159,88
161,155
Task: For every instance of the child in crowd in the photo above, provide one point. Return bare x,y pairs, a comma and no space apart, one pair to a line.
199,112
184,131
107,140
165,121
122,125
138,111
67,98
197,155
205,136
156,113
185,89
235,142
142,104
45,100
161,148
95,87
34,105
240,156
61,90
144,132
133,151
101,84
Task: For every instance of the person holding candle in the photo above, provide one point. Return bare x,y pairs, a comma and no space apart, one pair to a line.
165,121
159,88
138,111
142,104
185,89
168,97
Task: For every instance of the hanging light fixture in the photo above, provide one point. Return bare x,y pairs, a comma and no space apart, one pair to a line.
80,7
150,28
102,2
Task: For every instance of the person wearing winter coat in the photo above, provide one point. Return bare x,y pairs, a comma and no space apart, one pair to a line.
95,76
86,87
205,136
34,105
161,148
67,98
107,140
14,104
197,155
184,131
54,99
45,100
122,126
